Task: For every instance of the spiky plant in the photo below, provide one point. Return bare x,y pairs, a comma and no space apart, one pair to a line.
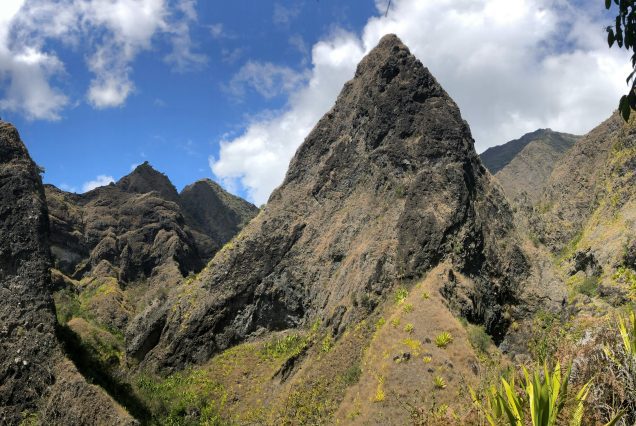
443,339
439,382
540,401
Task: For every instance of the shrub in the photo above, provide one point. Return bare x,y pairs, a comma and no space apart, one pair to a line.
443,339
408,308
589,286
352,374
401,294
409,328
478,338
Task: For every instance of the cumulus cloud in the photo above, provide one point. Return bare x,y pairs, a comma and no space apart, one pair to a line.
101,180
511,65
257,159
268,79
113,32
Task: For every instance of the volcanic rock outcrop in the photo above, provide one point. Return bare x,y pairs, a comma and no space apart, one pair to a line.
384,188
37,382
139,230
142,223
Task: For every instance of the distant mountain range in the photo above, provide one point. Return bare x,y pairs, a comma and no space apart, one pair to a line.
393,269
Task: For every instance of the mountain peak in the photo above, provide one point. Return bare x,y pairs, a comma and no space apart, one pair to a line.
146,178
382,190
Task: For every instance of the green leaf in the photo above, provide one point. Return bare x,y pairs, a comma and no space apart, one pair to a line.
623,107
615,419
608,3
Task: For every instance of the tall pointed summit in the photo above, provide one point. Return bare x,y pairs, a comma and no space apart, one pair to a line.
384,188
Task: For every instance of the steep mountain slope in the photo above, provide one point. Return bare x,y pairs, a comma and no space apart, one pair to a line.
498,157
214,212
37,382
141,223
525,175
118,249
385,187
587,213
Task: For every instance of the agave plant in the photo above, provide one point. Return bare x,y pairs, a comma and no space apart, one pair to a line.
439,382
540,400
443,339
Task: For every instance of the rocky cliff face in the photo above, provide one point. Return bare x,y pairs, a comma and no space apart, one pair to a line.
140,230
575,185
142,223
587,213
37,382
524,176
385,187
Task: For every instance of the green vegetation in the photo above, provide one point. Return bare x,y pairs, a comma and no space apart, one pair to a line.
478,338
285,347
327,344
589,286
541,400
619,372
400,295
409,328
549,331
443,339
408,308
380,323
439,382
185,398
626,276
92,366
352,374
623,33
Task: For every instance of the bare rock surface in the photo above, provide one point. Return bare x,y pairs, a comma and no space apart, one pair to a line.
36,380
385,187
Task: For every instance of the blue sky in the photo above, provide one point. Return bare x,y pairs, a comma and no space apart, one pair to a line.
228,90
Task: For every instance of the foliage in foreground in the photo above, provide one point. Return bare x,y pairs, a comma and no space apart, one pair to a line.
617,391
543,399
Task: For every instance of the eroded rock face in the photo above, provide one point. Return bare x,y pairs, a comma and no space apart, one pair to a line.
34,374
142,223
572,191
385,187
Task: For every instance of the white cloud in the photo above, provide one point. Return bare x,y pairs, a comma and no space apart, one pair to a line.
283,15
68,188
257,159
182,56
268,79
511,65
216,30
101,180
113,32
230,56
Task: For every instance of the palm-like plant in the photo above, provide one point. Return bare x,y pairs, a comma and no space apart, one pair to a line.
541,398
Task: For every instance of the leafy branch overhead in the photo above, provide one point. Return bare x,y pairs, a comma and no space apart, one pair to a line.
623,33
